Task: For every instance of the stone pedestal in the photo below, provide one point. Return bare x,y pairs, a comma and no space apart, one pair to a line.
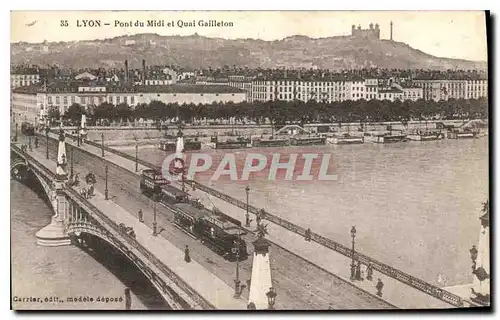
53,235
261,275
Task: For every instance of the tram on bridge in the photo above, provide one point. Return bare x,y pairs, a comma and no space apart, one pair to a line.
216,230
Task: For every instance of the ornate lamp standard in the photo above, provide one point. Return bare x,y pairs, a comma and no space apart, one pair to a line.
106,180
47,129
353,265
271,298
237,283
247,216
136,156
102,145
155,224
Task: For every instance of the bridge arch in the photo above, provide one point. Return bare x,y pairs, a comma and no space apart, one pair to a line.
21,171
75,230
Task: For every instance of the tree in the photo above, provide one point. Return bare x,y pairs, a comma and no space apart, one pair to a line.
75,112
54,114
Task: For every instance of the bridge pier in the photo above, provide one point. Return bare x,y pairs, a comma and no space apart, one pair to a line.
54,234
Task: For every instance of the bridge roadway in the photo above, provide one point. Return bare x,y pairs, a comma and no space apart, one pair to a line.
301,285
213,292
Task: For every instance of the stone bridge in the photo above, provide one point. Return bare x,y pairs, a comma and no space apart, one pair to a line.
76,220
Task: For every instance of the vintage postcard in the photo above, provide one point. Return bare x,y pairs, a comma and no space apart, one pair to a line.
249,160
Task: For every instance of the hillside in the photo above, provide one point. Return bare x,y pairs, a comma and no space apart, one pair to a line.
196,51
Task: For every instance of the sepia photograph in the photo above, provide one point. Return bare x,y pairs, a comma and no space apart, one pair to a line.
250,160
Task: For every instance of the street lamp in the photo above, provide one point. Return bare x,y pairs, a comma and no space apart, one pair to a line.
106,186
136,156
102,145
71,155
47,142
15,137
271,298
237,282
247,216
353,265
155,224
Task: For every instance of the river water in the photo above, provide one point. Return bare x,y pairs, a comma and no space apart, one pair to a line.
66,271
415,205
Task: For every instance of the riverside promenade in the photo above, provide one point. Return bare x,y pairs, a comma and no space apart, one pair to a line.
394,291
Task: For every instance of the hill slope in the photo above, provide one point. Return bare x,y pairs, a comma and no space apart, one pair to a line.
197,51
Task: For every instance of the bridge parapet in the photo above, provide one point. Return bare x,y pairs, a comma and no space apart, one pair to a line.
85,217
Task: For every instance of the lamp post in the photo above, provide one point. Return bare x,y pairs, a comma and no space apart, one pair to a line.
237,282
29,144
155,224
247,216
15,137
78,138
47,142
136,156
72,160
353,265
102,145
106,181
271,298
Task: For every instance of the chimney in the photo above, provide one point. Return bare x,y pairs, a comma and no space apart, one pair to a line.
143,72
126,70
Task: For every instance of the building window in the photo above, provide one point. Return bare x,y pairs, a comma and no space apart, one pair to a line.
58,100
65,99
132,100
72,99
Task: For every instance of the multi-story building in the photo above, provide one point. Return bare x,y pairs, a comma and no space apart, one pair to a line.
438,88
324,90
371,87
30,102
391,94
476,88
23,76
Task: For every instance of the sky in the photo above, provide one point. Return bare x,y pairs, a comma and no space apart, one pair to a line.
451,34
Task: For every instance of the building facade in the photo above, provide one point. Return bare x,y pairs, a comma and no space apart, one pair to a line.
21,77
444,89
33,102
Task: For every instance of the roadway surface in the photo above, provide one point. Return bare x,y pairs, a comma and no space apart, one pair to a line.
300,284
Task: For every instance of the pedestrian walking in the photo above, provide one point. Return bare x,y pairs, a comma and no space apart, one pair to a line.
141,217
379,287
187,258
307,236
369,272
128,299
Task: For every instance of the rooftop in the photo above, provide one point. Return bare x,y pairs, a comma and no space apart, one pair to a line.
72,87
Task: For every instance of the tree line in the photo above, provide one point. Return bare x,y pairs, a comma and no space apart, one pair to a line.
281,112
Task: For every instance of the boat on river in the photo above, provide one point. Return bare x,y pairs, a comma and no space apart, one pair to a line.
307,140
345,138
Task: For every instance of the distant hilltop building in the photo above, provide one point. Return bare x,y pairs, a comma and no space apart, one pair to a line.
372,33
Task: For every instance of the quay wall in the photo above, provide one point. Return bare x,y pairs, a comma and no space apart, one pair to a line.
127,135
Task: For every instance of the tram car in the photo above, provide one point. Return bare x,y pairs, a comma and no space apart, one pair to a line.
220,233
27,129
153,184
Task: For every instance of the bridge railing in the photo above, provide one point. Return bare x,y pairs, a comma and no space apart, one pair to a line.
134,243
40,166
337,247
379,266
